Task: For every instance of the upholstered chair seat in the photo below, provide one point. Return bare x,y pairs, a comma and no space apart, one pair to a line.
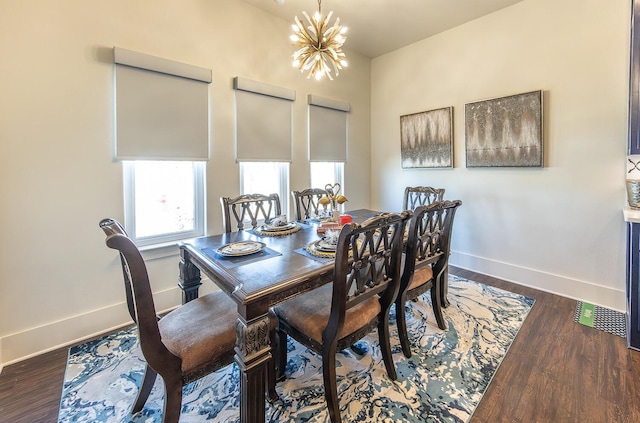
200,338
309,313
421,276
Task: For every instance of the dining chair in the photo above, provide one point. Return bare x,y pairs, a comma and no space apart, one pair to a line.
366,279
110,227
186,344
420,196
425,262
253,208
306,203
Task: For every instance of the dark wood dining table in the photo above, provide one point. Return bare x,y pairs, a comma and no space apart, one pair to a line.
281,270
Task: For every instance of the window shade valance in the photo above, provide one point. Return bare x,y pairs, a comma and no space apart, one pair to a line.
329,103
162,108
263,121
327,129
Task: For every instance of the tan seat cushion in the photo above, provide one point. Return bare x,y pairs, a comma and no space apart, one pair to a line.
309,313
202,331
421,275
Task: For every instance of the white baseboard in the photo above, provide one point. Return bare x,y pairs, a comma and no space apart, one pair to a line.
603,296
28,343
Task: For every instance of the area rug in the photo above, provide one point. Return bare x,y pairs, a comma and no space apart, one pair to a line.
443,381
601,318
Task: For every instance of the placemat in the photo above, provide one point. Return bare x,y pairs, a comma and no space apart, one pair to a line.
286,232
299,226
231,262
305,253
368,215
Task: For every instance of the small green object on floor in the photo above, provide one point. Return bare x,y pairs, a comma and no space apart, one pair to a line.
587,314
601,318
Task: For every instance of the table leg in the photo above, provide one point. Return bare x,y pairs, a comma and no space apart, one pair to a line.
253,353
189,280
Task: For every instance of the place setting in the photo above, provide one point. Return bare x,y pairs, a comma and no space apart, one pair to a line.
277,226
324,247
239,249
240,253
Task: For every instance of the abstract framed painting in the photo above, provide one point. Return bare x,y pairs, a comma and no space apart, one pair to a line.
426,139
505,131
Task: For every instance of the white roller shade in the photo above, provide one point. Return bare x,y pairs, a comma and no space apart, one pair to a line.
327,129
263,121
162,108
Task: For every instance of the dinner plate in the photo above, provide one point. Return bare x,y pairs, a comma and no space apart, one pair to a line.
324,245
242,248
285,227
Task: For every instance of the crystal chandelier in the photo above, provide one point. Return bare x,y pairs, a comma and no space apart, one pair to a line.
320,45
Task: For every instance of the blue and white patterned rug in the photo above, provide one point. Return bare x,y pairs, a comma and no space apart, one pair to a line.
443,381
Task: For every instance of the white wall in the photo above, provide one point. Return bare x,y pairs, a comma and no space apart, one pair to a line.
58,280
559,228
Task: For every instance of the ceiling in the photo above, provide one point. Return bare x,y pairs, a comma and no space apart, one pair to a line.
377,27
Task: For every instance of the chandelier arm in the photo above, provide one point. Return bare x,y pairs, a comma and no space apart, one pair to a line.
334,30
304,31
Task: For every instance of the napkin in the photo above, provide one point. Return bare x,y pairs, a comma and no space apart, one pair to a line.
277,221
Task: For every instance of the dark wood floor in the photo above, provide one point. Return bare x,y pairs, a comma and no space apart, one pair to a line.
556,371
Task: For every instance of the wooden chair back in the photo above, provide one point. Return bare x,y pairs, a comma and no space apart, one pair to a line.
180,346
252,208
138,287
428,244
306,202
365,283
420,196
429,236
113,227
367,264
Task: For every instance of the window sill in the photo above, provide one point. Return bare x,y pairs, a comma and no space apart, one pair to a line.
158,251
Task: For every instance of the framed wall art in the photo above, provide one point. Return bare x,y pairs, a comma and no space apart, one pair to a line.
505,131
426,139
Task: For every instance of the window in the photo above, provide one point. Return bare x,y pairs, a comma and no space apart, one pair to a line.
162,139
263,121
327,129
323,173
266,178
263,138
162,108
164,200
327,140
